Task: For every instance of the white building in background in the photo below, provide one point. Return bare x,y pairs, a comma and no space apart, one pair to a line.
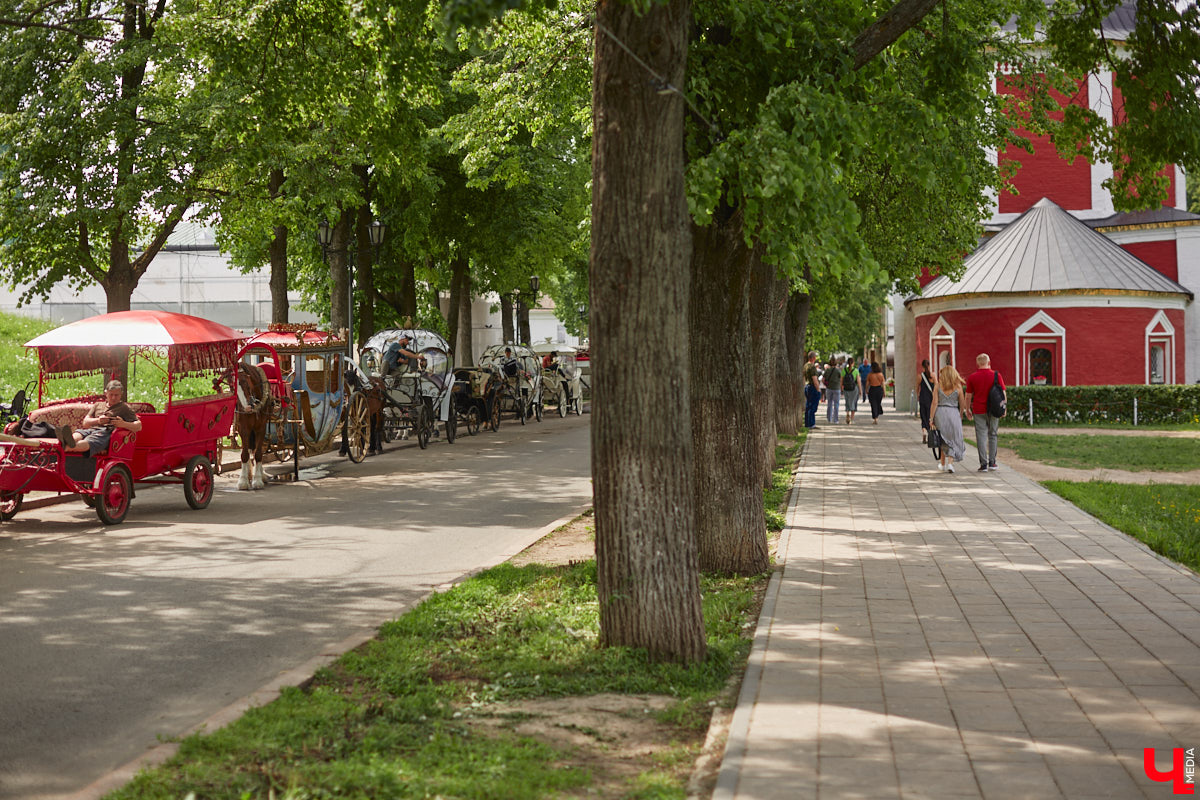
192,276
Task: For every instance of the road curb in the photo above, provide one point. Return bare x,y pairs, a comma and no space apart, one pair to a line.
296,676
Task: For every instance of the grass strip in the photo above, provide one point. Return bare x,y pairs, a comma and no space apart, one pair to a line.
393,718
1083,451
1165,517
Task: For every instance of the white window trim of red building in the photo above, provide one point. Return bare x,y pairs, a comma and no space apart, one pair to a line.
1026,339
944,338
1161,332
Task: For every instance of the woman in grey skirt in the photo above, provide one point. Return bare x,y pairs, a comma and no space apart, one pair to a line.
949,404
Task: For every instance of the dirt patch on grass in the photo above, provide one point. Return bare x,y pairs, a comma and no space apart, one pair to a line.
1039,471
615,737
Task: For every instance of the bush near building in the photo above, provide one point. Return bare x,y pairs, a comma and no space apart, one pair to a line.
1156,405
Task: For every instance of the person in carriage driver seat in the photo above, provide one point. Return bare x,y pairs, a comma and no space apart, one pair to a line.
97,427
398,359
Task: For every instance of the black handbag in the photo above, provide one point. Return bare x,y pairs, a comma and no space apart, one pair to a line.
934,440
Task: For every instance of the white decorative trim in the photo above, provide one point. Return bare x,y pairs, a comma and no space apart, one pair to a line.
946,336
1023,336
1165,337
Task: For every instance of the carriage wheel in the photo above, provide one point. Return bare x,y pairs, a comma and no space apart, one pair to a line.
198,482
115,493
358,427
495,418
537,411
451,426
10,504
521,409
472,420
562,406
423,425
579,404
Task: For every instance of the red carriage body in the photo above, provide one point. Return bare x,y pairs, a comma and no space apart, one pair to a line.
177,443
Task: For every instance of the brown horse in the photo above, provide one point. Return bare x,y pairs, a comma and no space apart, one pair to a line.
255,405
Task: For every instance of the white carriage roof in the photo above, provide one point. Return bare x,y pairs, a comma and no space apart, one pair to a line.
1048,250
423,339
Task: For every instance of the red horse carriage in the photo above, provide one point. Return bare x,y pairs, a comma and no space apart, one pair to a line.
185,356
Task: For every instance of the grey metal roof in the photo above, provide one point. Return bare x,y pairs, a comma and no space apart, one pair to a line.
1118,25
1047,250
1151,216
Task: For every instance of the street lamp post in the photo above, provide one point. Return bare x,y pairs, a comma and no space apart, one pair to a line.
581,309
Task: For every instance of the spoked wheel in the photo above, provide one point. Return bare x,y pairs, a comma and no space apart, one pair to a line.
424,426
521,409
472,420
578,405
198,482
116,491
562,406
451,426
10,504
494,421
537,411
358,427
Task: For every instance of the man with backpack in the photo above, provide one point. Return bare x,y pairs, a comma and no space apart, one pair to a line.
987,400
833,390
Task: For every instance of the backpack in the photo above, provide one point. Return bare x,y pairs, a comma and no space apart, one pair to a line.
996,404
850,380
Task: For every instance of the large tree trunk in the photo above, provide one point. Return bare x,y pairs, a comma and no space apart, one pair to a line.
795,330
339,274
278,256
762,326
788,385
523,334
365,272
462,332
507,319
731,533
457,270
641,250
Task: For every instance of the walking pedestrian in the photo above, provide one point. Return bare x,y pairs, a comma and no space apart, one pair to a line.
833,390
925,398
850,390
812,391
864,369
947,407
987,424
875,391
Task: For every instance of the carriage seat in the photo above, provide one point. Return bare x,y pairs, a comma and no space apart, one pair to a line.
72,413
280,388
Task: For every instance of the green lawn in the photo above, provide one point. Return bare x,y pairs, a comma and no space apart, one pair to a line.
1166,517
1134,453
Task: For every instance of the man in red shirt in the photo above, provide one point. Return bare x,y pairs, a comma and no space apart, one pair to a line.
979,383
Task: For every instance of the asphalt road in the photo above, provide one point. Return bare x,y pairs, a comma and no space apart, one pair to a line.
112,637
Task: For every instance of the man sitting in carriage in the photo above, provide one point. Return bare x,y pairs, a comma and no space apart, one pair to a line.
398,359
97,427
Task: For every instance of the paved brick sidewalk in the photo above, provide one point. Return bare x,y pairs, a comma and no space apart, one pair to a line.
958,636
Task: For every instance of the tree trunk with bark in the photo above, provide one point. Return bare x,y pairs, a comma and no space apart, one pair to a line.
339,274
462,331
507,319
763,310
278,255
642,451
452,304
365,261
523,334
795,331
730,531
788,384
